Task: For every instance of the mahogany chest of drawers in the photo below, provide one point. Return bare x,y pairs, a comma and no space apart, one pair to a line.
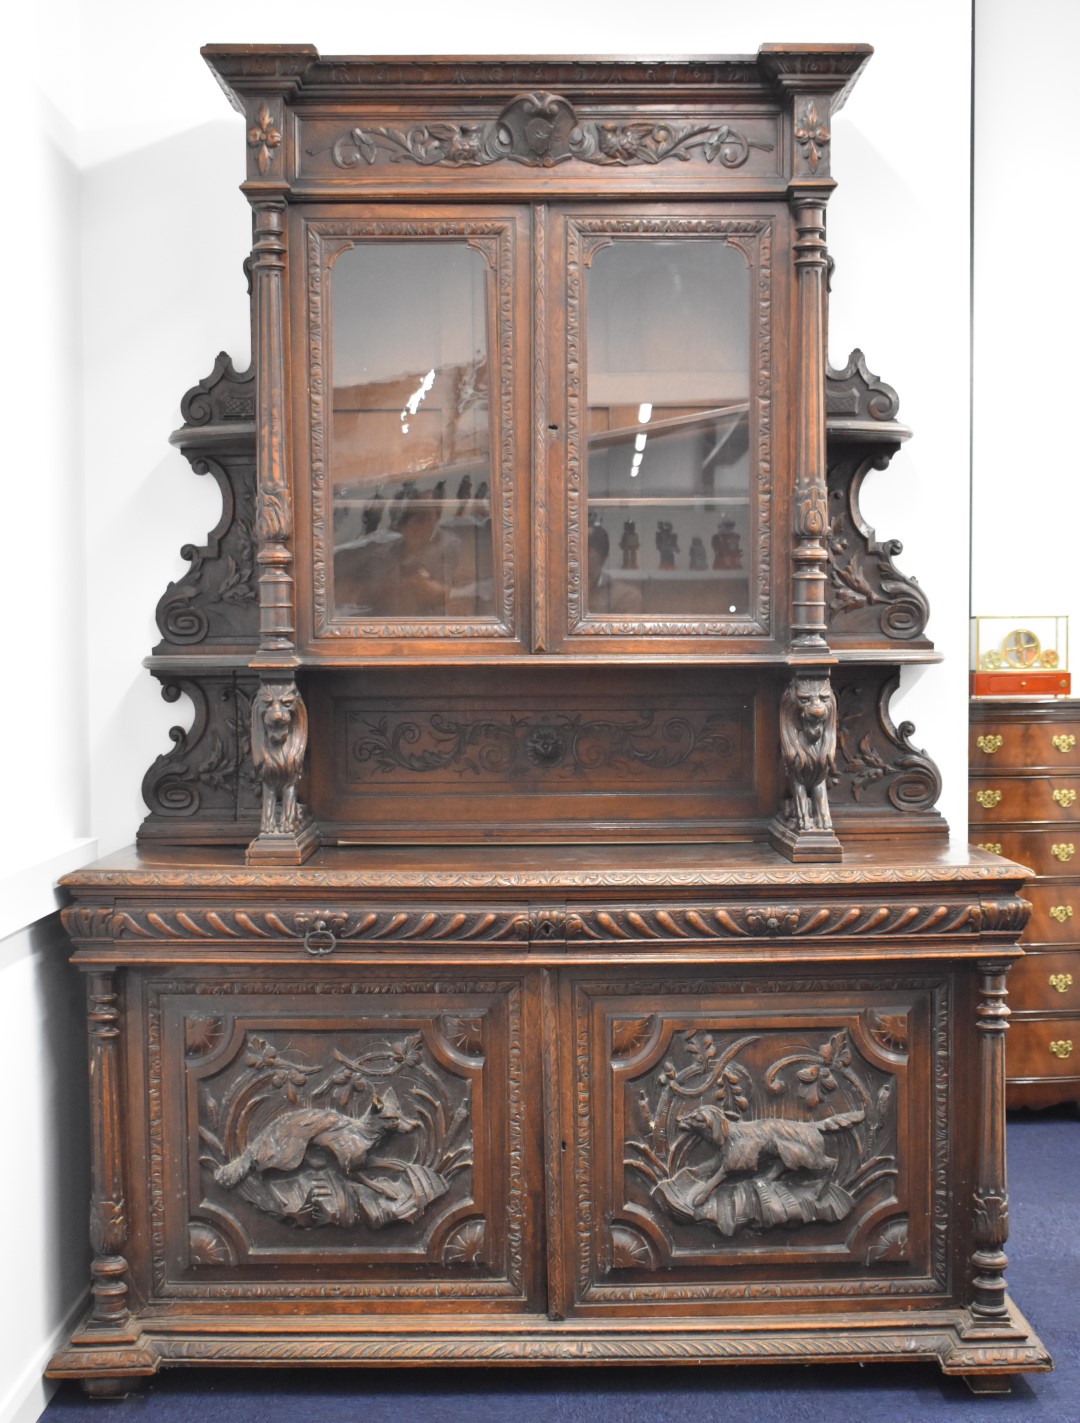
1025,804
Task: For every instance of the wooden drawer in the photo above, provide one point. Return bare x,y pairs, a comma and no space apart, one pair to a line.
1028,1047
1048,983
1051,854
993,799
1055,913
1015,745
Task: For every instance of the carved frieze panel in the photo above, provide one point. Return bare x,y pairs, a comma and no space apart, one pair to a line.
709,1135
600,743
206,786
336,1126
537,129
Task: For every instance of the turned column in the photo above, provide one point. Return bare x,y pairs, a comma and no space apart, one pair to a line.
108,1215
991,1208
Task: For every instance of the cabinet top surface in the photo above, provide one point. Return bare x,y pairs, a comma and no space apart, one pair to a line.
546,867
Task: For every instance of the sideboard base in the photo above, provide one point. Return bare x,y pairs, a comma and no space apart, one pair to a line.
983,1354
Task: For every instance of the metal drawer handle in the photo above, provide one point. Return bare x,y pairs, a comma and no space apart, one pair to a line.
994,846
1061,912
1063,743
1063,852
1062,1048
320,939
989,744
1061,982
988,799
1064,798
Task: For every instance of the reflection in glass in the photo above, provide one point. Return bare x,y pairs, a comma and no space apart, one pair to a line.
668,395
410,466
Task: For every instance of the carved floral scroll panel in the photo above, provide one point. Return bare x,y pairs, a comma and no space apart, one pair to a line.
768,1135
341,1139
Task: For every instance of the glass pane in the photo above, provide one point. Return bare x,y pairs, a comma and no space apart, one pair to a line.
669,462
410,442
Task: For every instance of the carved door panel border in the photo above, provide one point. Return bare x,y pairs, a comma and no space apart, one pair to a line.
501,236
737,1143
329,1139
573,235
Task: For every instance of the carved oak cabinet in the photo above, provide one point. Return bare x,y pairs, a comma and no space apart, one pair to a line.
543,945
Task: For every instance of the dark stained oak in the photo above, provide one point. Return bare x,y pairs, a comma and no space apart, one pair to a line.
543,946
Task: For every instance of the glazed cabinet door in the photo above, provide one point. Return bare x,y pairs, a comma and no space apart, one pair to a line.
412,431
667,408
337,1140
737,1145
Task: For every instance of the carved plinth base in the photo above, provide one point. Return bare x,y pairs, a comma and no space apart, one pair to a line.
984,1358
279,849
805,846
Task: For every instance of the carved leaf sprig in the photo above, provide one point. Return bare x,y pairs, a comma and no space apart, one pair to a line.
819,1073
265,1058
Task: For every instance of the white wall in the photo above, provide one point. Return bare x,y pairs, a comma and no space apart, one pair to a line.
1026,499
138,224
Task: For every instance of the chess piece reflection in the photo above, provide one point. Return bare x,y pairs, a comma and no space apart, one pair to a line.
630,544
698,557
667,543
727,552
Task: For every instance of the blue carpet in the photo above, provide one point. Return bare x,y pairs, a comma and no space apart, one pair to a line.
1044,1279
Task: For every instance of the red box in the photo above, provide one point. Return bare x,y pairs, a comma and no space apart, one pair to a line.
1021,684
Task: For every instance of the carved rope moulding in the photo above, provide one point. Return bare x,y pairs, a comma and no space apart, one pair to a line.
600,924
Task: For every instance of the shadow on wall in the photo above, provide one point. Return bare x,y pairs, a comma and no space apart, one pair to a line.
60,991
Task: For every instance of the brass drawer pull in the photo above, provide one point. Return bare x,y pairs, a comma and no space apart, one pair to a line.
988,799
320,939
1062,1048
1063,852
1061,912
989,744
1064,798
994,846
1063,743
1061,982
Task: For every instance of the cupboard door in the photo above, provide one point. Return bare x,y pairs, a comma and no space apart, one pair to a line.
742,1144
661,491
337,1139
413,428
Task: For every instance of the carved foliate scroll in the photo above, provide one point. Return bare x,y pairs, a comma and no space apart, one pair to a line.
205,788
542,130
878,769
